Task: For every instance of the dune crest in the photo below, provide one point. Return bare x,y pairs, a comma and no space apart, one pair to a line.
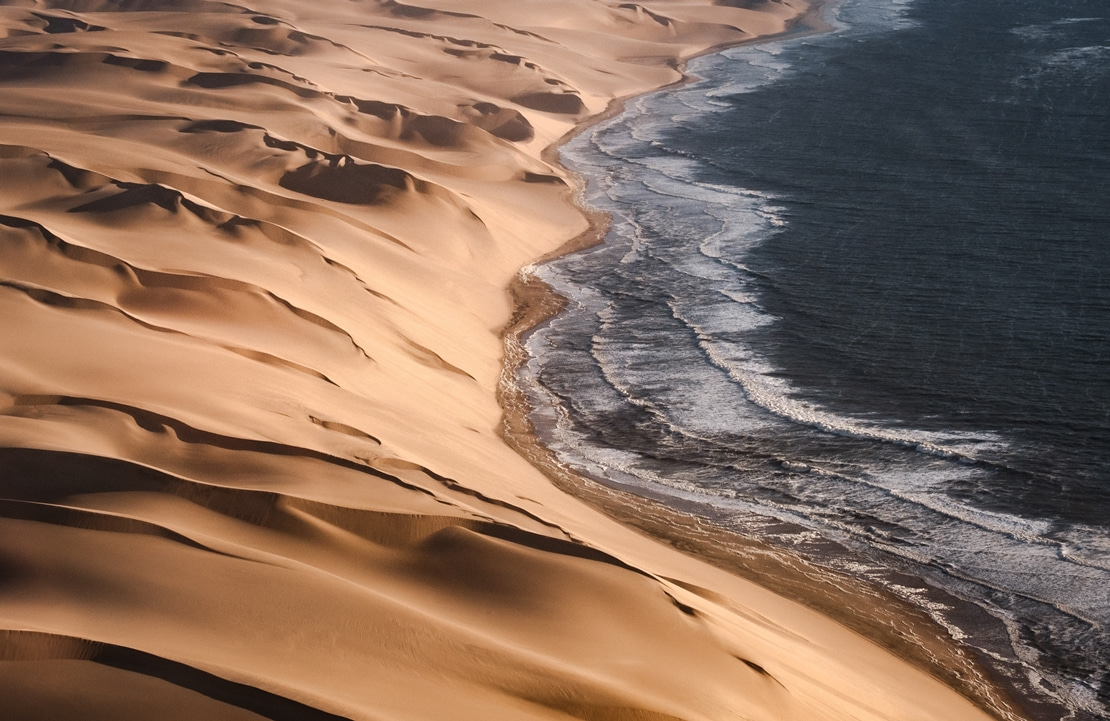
252,284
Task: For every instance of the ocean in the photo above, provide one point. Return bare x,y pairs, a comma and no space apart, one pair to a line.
857,292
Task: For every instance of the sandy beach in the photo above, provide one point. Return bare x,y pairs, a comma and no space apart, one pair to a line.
260,456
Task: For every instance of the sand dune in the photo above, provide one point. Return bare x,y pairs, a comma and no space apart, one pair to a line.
253,283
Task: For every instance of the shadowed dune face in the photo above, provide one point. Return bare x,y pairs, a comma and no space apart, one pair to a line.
253,263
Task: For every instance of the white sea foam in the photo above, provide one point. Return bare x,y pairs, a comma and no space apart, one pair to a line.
776,396
735,221
1049,30
1088,546
900,499
864,17
750,69
1077,58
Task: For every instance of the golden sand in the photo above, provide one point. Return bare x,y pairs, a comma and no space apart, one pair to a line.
252,292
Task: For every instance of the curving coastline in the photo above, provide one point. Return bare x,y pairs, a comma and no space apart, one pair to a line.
252,467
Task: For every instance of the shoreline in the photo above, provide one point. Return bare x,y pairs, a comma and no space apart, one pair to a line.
696,529
252,456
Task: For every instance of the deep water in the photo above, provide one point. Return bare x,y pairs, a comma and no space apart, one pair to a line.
860,282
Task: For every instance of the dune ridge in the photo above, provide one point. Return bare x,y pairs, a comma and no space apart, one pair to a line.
253,281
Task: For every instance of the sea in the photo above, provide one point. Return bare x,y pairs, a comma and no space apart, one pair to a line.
856,294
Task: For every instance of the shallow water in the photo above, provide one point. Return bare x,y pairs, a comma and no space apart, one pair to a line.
860,281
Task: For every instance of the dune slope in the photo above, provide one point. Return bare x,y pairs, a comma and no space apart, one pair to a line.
253,277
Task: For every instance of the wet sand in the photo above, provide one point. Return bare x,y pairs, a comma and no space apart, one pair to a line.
252,461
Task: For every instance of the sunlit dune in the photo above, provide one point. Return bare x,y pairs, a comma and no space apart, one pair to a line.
253,287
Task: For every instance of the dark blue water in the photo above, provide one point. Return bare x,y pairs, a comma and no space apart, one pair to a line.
860,282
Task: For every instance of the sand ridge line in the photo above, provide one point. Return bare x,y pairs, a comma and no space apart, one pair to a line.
369,545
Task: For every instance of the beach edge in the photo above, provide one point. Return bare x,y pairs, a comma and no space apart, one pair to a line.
901,628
